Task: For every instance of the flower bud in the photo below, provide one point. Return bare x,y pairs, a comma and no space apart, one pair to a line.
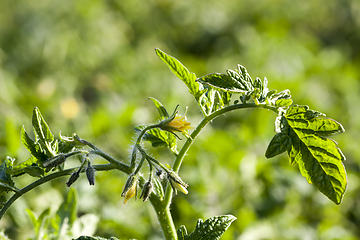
74,176
177,183
147,190
55,161
130,188
90,174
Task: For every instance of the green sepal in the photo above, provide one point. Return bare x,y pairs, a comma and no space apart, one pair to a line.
158,188
182,73
319,158
279,144
212,229
162,110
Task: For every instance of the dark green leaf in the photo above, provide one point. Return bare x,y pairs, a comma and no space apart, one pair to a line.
182,233
94,238
212,229
162,111
181,72
319,159
279,144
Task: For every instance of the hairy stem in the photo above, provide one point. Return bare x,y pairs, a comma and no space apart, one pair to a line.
164,217
47,178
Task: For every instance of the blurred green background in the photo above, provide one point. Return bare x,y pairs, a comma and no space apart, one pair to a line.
90,67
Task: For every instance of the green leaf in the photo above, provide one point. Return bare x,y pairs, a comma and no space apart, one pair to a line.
319,159
212,229
181,72
33,147
159,138
279,144
283,102
39,223
222,82
162,111
6,170
66,214
182,233
43,134
94,238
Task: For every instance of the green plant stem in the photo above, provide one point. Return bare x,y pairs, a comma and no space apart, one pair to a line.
195,133
47,178
164,217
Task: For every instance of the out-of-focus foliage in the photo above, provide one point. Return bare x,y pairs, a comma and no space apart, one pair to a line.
90,67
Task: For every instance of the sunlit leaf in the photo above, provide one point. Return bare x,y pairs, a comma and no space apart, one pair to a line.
319,159
222,82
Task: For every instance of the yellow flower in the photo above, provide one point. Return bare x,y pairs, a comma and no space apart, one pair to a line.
130,188
176,123
129,194
180,123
